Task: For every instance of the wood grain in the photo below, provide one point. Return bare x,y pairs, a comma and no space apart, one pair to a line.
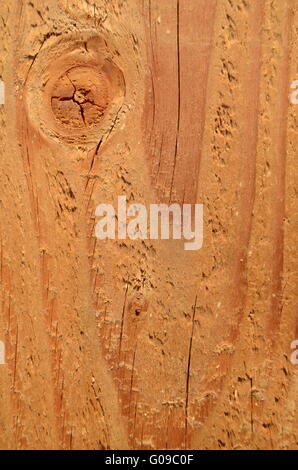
139,344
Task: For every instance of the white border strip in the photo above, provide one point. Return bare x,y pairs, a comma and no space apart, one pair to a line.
2,353
2,92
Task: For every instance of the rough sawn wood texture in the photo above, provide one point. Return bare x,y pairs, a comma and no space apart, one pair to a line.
122,344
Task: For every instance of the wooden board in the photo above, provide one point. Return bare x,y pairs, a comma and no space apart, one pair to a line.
116,344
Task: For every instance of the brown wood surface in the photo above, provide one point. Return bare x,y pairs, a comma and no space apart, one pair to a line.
140,344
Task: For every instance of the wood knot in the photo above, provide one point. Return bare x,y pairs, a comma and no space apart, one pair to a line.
80,97
75,90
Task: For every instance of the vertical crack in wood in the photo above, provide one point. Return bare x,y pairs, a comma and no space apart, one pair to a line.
122,320
188,373
178,97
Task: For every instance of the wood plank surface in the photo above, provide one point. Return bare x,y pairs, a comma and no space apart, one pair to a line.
139,344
